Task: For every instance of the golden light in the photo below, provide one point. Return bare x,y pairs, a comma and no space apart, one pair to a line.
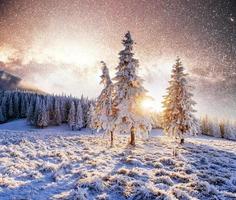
63,51
151,105
6,53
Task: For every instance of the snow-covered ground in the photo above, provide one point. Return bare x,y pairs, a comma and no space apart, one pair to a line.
56,163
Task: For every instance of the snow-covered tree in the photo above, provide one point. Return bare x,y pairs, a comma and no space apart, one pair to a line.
178,117
2,117
211,127
228,130
103,107
43,115
31,110
71,116
16,105
129,92
11,107
79,117
91,117
214,128
37,110
23,105
57,112
63,110
85,103
4,106
205,125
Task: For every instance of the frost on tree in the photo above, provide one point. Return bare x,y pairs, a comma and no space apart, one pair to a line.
91,117
129,92
57,112
178,117
79,117
103,108
43,115
104,104
71,116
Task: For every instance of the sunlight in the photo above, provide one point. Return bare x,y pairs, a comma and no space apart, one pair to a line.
63,52
151,105
6,53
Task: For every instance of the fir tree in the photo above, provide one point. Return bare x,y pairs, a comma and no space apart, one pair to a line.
37,109
104,104
57,112
11,107
23,105
71,116
4,106
63,110
205,125
79,117
129,118
31,110
178,117
91,118
2,117
16,105
229,131
43,115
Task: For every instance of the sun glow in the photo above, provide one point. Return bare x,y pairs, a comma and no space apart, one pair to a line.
6,53
151,105
62,52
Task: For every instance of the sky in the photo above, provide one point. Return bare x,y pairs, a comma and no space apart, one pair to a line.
57,46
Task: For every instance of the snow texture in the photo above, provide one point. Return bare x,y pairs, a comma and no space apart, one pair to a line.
57,163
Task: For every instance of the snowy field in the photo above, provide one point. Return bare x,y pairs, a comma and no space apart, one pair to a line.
56,163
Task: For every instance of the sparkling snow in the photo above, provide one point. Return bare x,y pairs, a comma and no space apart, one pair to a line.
56,163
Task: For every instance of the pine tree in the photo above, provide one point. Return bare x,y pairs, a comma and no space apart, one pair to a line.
16,105
71,116
178,118
129,118
57,112
11,107
31,110
205,125
91,118
2,117
4,106
85,103
37,110
23,105
63,110
104,104
214,128
79,117
229,131
43,115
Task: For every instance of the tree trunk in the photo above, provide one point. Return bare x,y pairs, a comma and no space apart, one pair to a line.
182,138
112,138
132,137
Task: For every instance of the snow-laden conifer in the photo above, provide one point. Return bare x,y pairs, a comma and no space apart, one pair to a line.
91,117
43,115
129,92
104,104
178,117
71,116
79,117
57,112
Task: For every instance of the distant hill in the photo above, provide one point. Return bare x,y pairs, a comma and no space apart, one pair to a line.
9,81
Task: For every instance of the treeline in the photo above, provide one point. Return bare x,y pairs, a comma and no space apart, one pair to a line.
207,126
45,110
218,128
